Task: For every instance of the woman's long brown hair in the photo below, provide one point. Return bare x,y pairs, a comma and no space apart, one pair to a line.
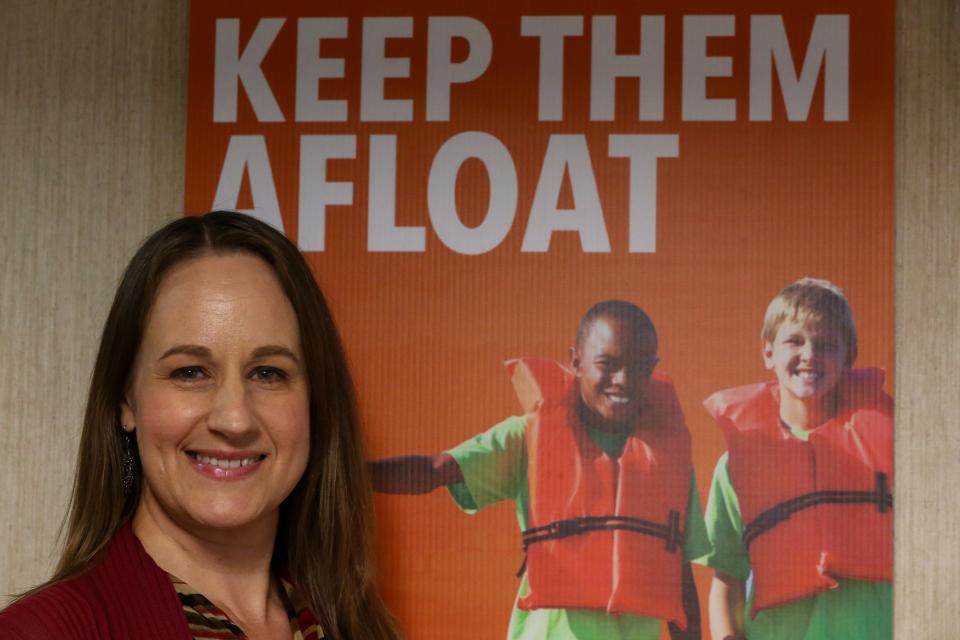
324,538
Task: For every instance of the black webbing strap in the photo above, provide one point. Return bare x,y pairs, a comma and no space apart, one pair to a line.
670,532
776,514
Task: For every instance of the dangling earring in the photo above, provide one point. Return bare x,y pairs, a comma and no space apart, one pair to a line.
126,461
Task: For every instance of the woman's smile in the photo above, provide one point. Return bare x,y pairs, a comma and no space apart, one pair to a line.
226,465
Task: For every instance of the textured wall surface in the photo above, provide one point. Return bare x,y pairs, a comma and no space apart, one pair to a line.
92,129
928,320
92,112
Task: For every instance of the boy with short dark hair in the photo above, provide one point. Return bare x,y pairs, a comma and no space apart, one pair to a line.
801,504
601,474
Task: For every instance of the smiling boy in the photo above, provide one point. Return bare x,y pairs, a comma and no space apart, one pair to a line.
801,503
601,475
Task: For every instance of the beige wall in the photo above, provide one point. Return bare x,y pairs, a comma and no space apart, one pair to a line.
92,125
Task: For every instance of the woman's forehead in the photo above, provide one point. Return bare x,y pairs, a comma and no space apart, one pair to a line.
222,297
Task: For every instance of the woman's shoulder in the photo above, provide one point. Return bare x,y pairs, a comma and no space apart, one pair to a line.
67,609
121,595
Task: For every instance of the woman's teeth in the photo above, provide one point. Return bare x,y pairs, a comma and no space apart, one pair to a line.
226,464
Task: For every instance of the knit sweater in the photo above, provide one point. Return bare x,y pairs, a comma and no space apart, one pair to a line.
125,595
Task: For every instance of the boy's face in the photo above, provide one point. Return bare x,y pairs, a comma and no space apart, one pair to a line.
613,365
808,359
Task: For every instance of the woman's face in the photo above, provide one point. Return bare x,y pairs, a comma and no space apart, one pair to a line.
219,396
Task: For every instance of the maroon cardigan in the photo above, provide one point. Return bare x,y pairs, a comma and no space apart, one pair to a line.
124,596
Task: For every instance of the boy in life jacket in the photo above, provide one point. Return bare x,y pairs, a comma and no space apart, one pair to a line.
600,471
800,509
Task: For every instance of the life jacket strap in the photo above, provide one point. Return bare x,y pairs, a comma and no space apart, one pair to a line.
776,514
670,532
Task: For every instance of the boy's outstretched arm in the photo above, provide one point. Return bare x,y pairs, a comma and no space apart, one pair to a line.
691,607
414,474
727,599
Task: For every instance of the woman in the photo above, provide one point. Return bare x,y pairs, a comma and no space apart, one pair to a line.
220,489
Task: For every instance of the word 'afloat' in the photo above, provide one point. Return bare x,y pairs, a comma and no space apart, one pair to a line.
566,155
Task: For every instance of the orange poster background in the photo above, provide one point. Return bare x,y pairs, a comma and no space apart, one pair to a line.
745,208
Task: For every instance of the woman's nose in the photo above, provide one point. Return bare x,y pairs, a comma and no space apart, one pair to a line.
230,413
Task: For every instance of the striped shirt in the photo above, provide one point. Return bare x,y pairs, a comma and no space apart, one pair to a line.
208,622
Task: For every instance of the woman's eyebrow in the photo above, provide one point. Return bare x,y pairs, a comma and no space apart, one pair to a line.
186,349
199,351
274,350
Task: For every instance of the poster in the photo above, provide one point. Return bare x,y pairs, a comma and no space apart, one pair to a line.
467,181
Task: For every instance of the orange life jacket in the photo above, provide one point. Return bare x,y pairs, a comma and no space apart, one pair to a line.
604,533
817,510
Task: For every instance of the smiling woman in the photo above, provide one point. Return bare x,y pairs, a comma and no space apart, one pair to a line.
220,487
219,403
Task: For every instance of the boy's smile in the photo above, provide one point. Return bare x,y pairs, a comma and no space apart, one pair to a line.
613,366
808,359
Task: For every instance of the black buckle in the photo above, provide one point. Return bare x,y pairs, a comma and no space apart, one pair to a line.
674,536
884,497
565,528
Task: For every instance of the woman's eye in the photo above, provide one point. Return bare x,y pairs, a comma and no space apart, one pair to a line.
268,374
187,373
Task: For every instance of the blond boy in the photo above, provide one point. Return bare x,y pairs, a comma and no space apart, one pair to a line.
800,509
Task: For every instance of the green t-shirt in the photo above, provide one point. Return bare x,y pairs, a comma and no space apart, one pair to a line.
494,468
855,609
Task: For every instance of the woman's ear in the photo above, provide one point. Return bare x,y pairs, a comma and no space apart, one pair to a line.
127,419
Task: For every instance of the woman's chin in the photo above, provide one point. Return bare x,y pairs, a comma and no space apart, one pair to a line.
225,517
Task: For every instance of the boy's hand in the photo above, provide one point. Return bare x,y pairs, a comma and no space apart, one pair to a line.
412,475
727,601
